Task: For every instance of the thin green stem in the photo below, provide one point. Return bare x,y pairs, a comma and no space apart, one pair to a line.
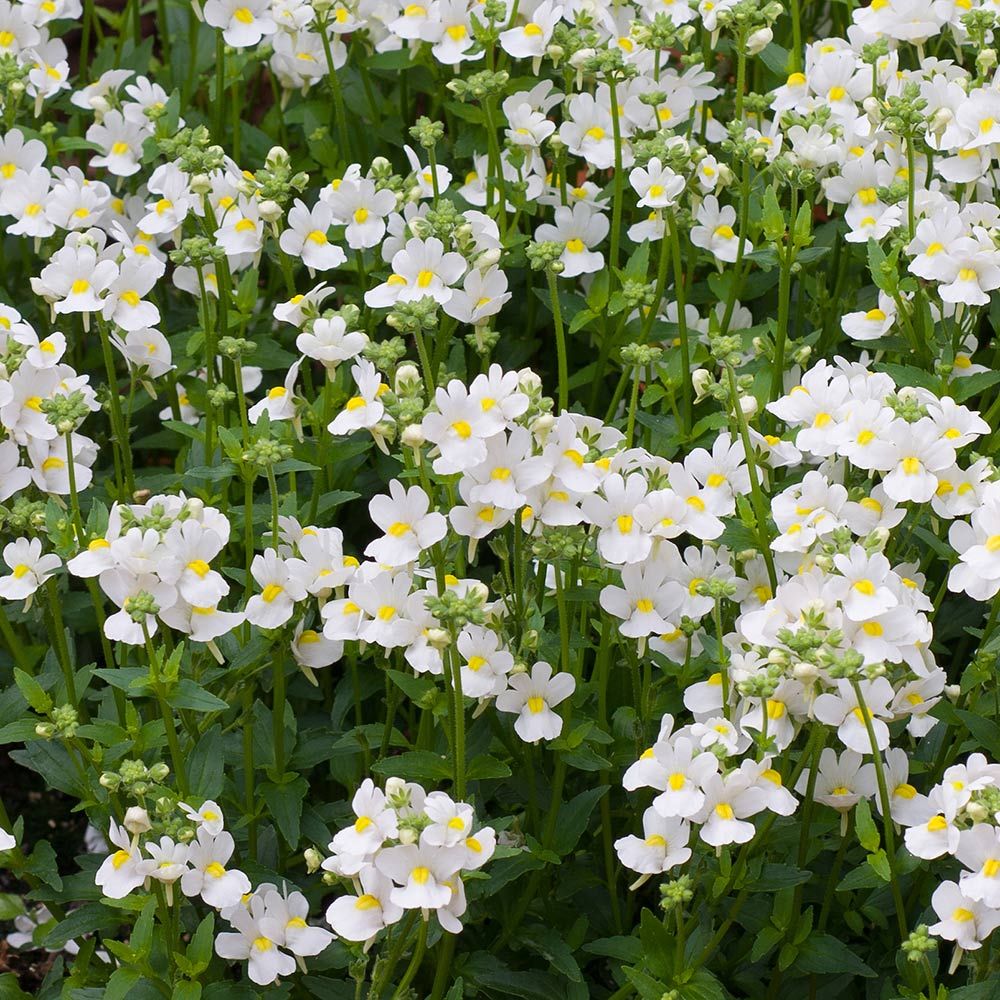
560,342
886,808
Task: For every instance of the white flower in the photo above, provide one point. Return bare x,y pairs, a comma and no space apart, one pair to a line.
663,845
375,823
532,696
579,229
252,943
840,782
967,922
420,873
121,871
361,917
282,584
307,237
979,851
285,922
167,860
486,664
209,816
29,568
683,773
244,22
844,711
530,40
330,342
421,269
728,803
409,525
714,231
208,877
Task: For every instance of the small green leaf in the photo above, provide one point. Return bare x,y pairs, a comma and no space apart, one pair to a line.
33,692
868,835
285,804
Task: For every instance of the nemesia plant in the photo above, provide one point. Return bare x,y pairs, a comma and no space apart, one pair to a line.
499,499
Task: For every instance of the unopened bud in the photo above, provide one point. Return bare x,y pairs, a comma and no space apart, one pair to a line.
805,671
270,210
759,40
413,436
137,820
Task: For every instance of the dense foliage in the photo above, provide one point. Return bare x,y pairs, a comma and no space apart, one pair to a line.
499,499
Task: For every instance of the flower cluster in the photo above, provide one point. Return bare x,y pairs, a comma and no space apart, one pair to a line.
406,850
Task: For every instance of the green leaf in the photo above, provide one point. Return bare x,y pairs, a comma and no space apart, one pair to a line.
597,295
573,819
484,766
647,987
33,692
775,58
863,877
765,940
624,949
773,219
972,385
199,951
141,939
285,804
657,945
11,906
86,919
206,764
121,982
868,835
192,696
496,979
415,765
10,990
775,877
879,862
702,986
910,375
823,953
547,943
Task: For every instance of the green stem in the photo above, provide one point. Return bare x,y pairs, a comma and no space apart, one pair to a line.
618,179
414,966
278,712
15,646
687,402
167,714
883,794
560,342
760,506
62,650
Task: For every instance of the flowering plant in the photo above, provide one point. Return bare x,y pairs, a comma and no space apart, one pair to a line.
499,499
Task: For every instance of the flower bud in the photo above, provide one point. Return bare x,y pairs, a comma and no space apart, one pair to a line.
159,772
749,406
759,40
137,820
438,638
701,379
805,671
487,259
413,436
313,859
270,210
977,812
